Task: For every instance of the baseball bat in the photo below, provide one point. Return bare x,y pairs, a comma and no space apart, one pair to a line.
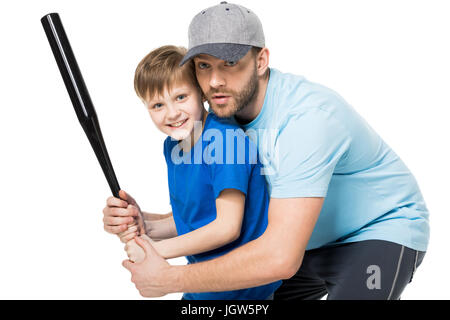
79,94
80,97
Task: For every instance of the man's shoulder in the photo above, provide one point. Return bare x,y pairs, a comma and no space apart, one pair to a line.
299,99
300,91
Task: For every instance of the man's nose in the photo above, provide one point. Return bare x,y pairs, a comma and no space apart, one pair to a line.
216,80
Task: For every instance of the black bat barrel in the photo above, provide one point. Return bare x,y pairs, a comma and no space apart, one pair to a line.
79,94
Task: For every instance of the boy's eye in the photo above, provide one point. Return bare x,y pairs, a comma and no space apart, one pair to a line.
230,63
157,106
181,97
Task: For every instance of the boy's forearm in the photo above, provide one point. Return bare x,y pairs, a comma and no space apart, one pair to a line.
161,228
209,237
224,229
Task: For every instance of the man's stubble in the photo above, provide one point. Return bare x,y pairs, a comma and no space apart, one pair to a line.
241,98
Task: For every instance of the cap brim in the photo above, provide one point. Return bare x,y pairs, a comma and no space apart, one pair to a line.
222,51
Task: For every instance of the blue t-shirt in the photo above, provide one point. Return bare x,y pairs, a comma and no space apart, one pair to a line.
222,158
312,143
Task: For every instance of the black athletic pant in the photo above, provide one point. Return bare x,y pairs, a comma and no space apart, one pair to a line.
371,269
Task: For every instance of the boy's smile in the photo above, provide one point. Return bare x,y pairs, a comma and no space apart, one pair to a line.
176,111
178,124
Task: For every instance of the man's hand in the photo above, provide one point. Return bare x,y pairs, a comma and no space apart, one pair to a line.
119,214
143,273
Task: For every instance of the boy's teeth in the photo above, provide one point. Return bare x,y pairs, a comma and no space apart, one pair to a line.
177,124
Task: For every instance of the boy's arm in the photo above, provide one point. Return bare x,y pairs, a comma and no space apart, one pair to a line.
224,229
160,228
157,226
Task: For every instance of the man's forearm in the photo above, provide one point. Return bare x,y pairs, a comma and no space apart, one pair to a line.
253,264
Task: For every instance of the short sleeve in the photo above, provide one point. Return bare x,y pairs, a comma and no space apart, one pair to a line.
165,149
307,149
228,166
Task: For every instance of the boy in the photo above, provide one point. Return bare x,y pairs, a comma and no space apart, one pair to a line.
218,195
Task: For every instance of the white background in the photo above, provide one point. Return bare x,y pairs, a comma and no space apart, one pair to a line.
388,59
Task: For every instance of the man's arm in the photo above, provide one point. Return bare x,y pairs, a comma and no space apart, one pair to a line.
276,255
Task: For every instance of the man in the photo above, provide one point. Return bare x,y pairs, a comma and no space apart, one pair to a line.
346,217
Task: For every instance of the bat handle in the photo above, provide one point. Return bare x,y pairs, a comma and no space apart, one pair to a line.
132,227
134,251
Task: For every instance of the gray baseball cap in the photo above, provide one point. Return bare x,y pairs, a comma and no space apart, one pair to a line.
226,31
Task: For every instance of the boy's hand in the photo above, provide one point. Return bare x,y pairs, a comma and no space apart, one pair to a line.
134,251
121,215
153,274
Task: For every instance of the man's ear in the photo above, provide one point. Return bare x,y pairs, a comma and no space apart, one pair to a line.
262,62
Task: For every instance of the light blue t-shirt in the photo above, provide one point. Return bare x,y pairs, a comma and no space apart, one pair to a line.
312,143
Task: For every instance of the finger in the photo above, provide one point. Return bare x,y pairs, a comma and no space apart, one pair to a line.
129,247
127,264
115,229
129,211
116,202
125,196
148,248
116,221
131,229
128,237
134,211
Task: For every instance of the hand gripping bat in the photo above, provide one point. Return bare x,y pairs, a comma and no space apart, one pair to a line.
79,95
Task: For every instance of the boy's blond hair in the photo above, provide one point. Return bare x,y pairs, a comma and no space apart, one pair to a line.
160,70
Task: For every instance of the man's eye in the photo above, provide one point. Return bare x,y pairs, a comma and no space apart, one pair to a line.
230,63
181,97
202,65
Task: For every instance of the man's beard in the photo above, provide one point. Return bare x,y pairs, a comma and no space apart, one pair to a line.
241,98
